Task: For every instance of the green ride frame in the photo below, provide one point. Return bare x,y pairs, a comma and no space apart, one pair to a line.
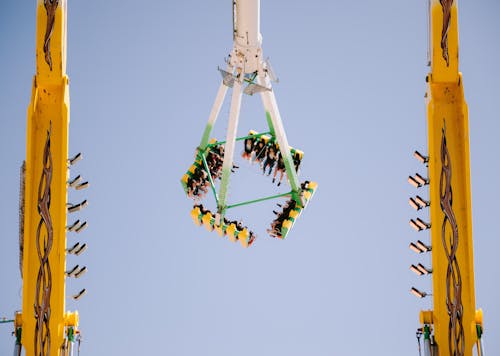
202,155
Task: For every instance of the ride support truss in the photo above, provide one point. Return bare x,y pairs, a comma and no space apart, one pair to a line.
44,327
453,327
246,73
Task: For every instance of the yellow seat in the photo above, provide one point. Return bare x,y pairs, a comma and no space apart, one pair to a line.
287,224
185,178
195,215
192,169
285,228
313,185
307,195
207,221
294,151
219,229
294,214
212,141
252,133
243,237
231,232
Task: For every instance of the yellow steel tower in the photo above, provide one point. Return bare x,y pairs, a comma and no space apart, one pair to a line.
453,327
44,327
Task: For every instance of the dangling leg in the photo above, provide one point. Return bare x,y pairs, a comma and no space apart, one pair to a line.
271,107
227,164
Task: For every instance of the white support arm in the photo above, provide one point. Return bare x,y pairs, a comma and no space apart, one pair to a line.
247,38
230,143
214,113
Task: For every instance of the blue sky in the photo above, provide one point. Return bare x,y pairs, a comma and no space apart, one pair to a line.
143,79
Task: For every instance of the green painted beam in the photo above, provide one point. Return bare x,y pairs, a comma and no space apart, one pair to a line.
206,136
259,200
205,164
239,139
270,123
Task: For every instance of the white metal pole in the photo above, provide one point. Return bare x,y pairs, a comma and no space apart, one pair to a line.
427,347
230,143
17,349
214,113
248,23
481,347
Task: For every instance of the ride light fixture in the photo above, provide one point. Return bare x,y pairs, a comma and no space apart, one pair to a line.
414,225
422,224
422,202
413,182
75,159
82,227
72,272
79,294
420,157
423,247
418,203
424,270
415,248
82,186
419,247
73,182
421,180
418,293
73,226
419,225
74,248
77,207
81,272
416,270
81,249
413,203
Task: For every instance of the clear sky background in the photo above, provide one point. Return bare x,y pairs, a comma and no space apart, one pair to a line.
351,94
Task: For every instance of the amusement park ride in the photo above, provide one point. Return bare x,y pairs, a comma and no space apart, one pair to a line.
454,327
44,327
247,73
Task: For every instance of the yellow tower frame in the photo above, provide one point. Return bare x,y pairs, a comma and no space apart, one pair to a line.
44,327
454,321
